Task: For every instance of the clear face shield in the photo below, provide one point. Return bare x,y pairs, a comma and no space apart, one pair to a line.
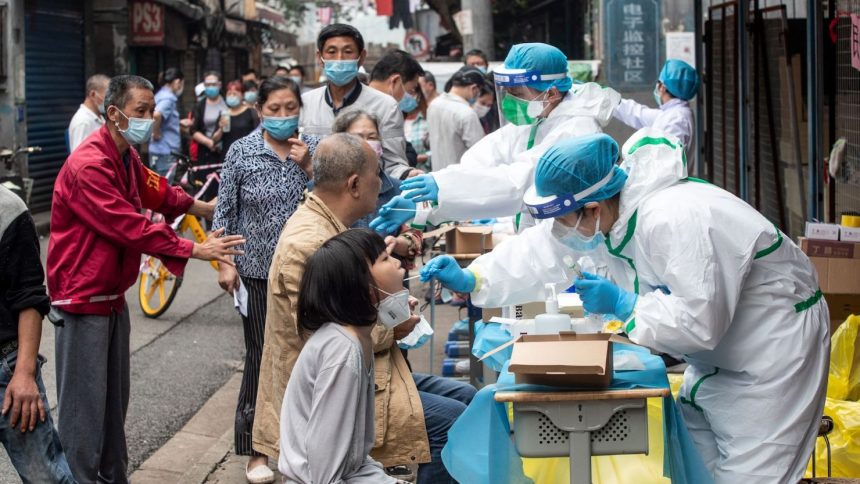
522,95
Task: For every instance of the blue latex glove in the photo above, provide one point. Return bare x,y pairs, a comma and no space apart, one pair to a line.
421,188
393,214
600,296
446,270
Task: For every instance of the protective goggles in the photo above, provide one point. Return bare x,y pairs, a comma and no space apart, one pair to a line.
521,77
556,205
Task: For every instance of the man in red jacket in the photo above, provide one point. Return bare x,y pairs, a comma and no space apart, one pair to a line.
97,237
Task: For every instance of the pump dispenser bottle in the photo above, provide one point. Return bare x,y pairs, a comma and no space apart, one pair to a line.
551,322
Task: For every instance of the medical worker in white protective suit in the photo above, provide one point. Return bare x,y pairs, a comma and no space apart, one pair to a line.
677,84
694,271
539,105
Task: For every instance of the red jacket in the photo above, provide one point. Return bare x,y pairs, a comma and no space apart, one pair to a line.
98,231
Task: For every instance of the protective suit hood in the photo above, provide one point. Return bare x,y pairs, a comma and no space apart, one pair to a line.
589,99
653,160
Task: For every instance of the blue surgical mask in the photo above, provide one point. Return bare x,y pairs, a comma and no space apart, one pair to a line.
298,80
657,98
139,130
101,108
483,69
212,92
280,128
572,238
408,103
251,97
340,72
232,101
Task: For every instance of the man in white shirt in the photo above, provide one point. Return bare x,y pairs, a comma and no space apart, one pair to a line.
90,116
341,52
453,125
677,84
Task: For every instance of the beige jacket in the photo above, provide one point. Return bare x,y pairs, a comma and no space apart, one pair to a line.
401,436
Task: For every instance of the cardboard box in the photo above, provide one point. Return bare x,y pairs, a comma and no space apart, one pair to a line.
841,306
566,359
829,248
822,231
465,241
849,234
520,311
837,276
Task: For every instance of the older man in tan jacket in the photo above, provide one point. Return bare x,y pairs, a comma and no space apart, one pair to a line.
345,190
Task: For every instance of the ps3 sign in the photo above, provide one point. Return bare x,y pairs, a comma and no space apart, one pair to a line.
147,23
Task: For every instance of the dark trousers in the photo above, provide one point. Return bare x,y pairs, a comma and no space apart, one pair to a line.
255,327
443,400
92,392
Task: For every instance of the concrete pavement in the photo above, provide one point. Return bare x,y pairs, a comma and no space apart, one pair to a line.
215,336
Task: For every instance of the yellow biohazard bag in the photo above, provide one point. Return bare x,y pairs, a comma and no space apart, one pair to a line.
843,392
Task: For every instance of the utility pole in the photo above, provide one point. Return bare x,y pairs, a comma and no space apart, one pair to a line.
481,36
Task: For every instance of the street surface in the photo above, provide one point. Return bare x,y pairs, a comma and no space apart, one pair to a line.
177,361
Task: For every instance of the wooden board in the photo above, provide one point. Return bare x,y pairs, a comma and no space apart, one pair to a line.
522,397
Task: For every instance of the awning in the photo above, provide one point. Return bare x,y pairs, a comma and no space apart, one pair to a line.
193,12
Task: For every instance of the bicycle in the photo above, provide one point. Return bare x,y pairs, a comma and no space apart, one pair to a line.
21,186
158,286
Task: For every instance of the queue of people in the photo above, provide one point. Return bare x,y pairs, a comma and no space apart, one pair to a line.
327,391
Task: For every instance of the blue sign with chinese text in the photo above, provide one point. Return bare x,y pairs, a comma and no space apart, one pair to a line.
632,41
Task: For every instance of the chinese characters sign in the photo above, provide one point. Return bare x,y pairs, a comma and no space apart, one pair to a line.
632,43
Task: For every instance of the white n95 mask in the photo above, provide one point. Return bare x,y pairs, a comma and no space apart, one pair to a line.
419,335
394,309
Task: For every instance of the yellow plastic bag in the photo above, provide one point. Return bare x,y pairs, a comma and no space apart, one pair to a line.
843,392
844,380
612,469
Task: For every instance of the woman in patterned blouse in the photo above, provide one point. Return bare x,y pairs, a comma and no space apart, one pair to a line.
262,181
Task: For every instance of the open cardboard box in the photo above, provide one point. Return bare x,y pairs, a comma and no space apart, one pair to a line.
566,359
465,241
838,267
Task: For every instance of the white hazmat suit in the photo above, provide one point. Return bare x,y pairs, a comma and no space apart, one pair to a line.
494,174
718,283
674,117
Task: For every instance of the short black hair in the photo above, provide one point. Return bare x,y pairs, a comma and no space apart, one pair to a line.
340,30
276,83
429,77
171,74
282,68
119,87
396,62
212,73
467,76
250,71
249,85
299,68
476,52
337,283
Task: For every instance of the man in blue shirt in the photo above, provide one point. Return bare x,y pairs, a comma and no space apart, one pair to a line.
165,132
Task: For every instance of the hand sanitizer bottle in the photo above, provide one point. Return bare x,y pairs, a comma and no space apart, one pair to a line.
551,322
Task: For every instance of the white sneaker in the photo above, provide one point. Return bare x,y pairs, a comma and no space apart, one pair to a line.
259,475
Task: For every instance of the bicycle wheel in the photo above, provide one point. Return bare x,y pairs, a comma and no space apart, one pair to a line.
158,287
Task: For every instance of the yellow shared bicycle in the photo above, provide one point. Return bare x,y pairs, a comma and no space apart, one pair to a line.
158,287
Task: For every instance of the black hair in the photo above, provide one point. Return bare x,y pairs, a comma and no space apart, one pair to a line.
171,74
298,68
337,283
249,85
250,71
467,76
340,30
429,77
282,68
476,52
211,73
276,83
119,87
396,62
